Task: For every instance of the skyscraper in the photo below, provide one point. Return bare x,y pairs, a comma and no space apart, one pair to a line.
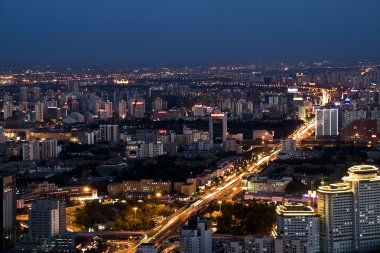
109,133
8,110
326,122
298,221
223,117
136,108
350,212
39,110
24,91
49,149
47,218
89,138
122,109
196,236
31,151
157,104
7,212
109,109
36,93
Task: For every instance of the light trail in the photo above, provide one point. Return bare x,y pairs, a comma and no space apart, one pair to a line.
177,219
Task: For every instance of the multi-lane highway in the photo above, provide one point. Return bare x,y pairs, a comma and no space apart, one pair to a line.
175,221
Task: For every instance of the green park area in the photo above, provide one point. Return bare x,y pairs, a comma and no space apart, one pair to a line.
243,218
128,215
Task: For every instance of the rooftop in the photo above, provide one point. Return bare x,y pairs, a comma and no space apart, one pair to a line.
295,209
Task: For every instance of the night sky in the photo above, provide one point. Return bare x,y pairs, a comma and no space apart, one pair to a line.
178,32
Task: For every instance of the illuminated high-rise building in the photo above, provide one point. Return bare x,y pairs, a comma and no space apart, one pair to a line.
297,221
109,133
136,108
89,138
31,151
24,93
326,122
8,110
122,109
49,149
36,94
47,218
220,116
350,212
109,109
39,111
196,236
7,212
157,104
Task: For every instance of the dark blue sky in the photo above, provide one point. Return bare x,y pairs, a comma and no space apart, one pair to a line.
146,32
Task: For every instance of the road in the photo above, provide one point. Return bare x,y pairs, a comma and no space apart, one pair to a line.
175,221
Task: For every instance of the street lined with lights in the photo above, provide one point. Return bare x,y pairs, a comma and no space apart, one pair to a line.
176,220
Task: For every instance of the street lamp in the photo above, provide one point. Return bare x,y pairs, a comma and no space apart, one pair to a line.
158,195
135,209
220,206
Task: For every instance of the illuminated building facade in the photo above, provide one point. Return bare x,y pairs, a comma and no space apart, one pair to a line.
350,212
7,212
109,133
297,221
47,218
326,122
136,108
108,109
122,109
214,116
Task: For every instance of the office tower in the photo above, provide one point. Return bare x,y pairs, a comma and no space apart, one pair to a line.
326,122
136,108
24,93
36,94
7,212
350,212
122,109
31,151
196,237
109,109
298,221
8,110
47,218
157,104
223,117
109,133
39,110
89,138
49,149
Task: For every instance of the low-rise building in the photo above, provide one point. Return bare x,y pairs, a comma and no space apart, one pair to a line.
141,186
257,184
